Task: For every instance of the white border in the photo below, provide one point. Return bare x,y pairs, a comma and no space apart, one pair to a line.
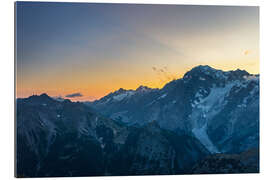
7,87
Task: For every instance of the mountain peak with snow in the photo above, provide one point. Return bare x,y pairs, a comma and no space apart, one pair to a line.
143,89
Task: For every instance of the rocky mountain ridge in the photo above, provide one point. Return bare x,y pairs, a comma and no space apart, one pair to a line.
220,108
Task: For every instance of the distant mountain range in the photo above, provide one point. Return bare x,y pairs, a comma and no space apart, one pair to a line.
205,122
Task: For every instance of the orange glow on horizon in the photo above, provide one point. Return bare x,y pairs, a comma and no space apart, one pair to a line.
155,79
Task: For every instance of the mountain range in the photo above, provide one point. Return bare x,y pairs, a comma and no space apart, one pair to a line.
219,108
205,122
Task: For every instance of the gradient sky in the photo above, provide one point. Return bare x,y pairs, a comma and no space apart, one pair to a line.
94,49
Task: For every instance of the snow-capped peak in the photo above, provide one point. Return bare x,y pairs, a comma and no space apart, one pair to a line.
143,89
120,97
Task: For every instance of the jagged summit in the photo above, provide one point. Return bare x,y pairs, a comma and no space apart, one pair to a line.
117,92
207,68
204,72
201,70
238,74
143,89
120,90
41,97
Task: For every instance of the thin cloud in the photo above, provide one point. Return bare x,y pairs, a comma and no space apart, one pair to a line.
164,75
74,95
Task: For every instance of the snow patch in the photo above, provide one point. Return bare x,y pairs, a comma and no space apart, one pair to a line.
120,97
202,79
216,96
200,133
163,96
152,102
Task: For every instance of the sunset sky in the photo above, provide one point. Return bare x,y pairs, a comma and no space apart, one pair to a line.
94,49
